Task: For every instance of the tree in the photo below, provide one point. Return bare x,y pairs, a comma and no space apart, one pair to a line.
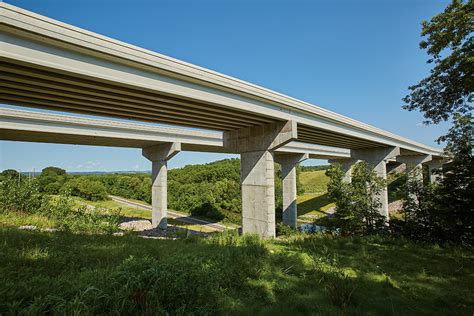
358,202
447,94
10,174
52,179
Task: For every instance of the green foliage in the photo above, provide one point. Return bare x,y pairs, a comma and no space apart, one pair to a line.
23,199
65,273
447,94
86,188
434,213
9,174
52,179
20,196
211,190
450,44
358,202
314,168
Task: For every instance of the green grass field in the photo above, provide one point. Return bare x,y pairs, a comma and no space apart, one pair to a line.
314,181
315,202
63,273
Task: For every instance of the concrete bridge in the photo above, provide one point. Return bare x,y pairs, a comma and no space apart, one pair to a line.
47,64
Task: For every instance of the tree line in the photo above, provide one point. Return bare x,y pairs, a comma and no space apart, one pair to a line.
211,190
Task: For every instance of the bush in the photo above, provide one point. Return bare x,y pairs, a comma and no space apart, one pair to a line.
358,202
86,188
80,219
24,198
20,196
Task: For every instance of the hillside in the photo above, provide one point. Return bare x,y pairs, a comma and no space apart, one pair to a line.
315,202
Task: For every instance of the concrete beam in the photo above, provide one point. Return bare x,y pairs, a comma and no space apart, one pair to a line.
32,126
288,164
256,145
159,156
261,137
377,159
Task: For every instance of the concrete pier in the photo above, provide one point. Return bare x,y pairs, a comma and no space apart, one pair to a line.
256,146
288,164
346,165
414,165
159,156
434,165
377,159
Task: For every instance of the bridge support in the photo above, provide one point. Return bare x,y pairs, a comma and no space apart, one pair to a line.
159,156
414,165
434,165
377,159
346,165
288,164
256,145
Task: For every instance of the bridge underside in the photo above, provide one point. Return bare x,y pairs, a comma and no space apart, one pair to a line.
35,87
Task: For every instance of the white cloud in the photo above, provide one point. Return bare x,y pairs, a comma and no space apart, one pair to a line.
88,165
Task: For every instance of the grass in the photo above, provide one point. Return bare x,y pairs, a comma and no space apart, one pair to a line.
315,202
13,219
129,211
314,181
225,274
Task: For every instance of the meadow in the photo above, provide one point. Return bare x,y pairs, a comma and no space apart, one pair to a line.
66,273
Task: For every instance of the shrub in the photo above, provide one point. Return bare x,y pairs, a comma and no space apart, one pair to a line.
86,188
71,218
358,202
20,196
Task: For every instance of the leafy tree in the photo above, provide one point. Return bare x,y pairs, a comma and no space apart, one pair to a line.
358,202
87,188
10,174
447,94
52,179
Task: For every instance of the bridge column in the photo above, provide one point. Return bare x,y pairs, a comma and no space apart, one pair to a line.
159,156
256,145
288,177
377,159
414,165
346,165
434,165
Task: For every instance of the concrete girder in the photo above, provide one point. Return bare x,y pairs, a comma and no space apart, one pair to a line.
21,125
159,156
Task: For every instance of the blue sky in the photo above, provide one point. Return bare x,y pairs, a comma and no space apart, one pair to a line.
356,58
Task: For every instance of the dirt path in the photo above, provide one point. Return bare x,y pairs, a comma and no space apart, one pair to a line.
174,215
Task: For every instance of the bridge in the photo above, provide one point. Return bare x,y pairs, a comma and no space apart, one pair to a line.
47,64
